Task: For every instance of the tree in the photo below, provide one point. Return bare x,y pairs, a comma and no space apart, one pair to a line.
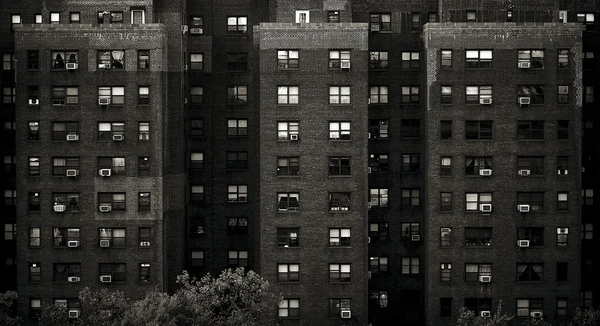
467,318
586,317
7,300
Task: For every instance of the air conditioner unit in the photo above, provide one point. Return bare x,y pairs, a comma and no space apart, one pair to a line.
105,208
524,173
118,137
524,64
59,208
485,279
71,66
73,279
415,237
563,171
104,66
536,314
73,244
523,243
145,244
105,278
485,208
374,28
104,243
72,137
346,314
71,173
369,170
294,137
103,101
196,30
485,172
486,314
485,101
105,172
34,101
523,208
562,231
524,100
73,313
345,65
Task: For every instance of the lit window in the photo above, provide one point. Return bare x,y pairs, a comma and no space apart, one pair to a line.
196,61
34,166
197,193
378,60
237,193
339,201
380,22
410,94
143,59
114,201
378,265
288,237
563,58
474,271
410,265
287,59
287,95
288,272
288,201
446,166
65,202
237,94
65,95
287,130
338,59
478,58
237,127
143,95
535,58
116,165
478,94
410,60
197,160
108,130
143,202
197,25
196,94
114,95
62,236
289,308
60,165
302,16
378,197
339,94
339,237
535,93
378,128
138,16
563,94
474,200
144,272
526,307
74,18
34,237
237,258
288,165
111,59
446,59
8,61
55,18
144,130
237,24
445,272
378,95
339,130
562,236
339,272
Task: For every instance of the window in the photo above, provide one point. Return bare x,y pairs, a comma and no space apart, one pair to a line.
534,57
339,166
478,130
288,237
445,201
237,258
563,58
410,197
410,60
117,271
561,307
61,58
471,16
288,59
34,237
289,308
143,59
339,130
115,164
10,197
143,95
62,272
446,94
237,127
562,236
197,25
237,160
478,94
339,201
197,193
535,200
8,61
562,203
445,272
197,258
35,307
35,272
111,59
144,272
9,164
144,237
588,93
587,299
339,94
237,193
336,306
34,202
143,166
563,94
288,165
562,271
378,95
143,202
378,128
478,58
196,226
10,231
110,17
410,163
379,298
410,229
476,305
478,237
237,94
107,130
38,18
288,201
415,25
65,95
196,61
237,24
338,57
378,162
16,19
144,130
34,166
339,272
588,19
288,272
474,164
445,307
138,16
445,237
587,231
115,201
196,128
446,166
66,202
60,165
446,59
333,16
530,130
562,129
525,307
410,94
378,60
287,130
474,200
410,265
534,235
196,94
237,225
378,265
287,95
535,164
62,236
534,92
33,59
34,94
474,271
116,237
115,95
378,197
302,16
380,22
8,95
379,231
74,18
339,237
411,128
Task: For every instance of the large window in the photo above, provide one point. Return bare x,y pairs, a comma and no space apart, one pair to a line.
288,272
237,160
337,306
287,130
237,94
410,197
237,24
378,128
289,308
533,164
378,197
478,237
474,200
339,272
478,58
108,201
530,58
61,58
339,166
117,271
378,60
378,95
378,162
237,193
288,165
535,200
65,202
339,130
339,237
410,265
535,235
196,61
288,237
288,59
339,201
114,236
116,165
526,307
339,59
410,94
63,272
237,127
478,130
474,164
478,94
410,229
237,258
474,271
378,265
410,60
60,166
288,201
65,95
111,59
379,231
411,128
111,95
339,94
410,163
535,93
108,131
62,236
380,22
287,95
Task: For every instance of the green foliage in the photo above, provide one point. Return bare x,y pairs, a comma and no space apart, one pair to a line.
7,300
468,318
586,317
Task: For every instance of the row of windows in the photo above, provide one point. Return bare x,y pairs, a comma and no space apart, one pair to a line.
70,237
526,165
483,129
526,94
525,307
70,59
483,58
482,236
71,272
137,16
69,95
70,131
70,202
70,166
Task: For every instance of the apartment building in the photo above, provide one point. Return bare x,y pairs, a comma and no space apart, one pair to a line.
377,162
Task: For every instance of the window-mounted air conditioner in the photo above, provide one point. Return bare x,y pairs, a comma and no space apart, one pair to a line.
144,243
105,278
73,244
103,101
486,314
485,279
71,172
524,64
369,170
104,66
104,243
196,30
523,208
536,314
345,65
485,101
346,314
59,208
563,171
374,28
104,208
72,66
73,279
294,137
524,100
524,173
485,208
415,237
523,243
117,137
485,172
73,313
72,137
105,172
34,101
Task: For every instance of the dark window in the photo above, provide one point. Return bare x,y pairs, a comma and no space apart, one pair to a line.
562,271
411,128
288,165
410,229
534,164
410,197
114,201
237,160
34,166
446,130
196,226
535,200
196,94
410,94
34,202
144,272
445,201
237,225
143,59
446,166
378,128
60,165
534,92
530,130
196,128
237,127
143,95
474,271
446,59
115,236
333,16
144,237
197,25
562,201
415,25
380,22
477,305
379,231
237,61
378,162
144,202
478,130
62,236
288,237
339,166
197,258
33,59
534,235
143,166
339,201
445,307
411,163
237,94
288,201
378,265
563,58
535,58
478,237
445,273
62,272
118,272
65,95
111,59
378,60
530,272
65,202
562,129
563,94
34,237
474,164
35,272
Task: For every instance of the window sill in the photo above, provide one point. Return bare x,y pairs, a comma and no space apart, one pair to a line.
236,104
293,105
288,69
339,211
289,175
286,211
379,104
